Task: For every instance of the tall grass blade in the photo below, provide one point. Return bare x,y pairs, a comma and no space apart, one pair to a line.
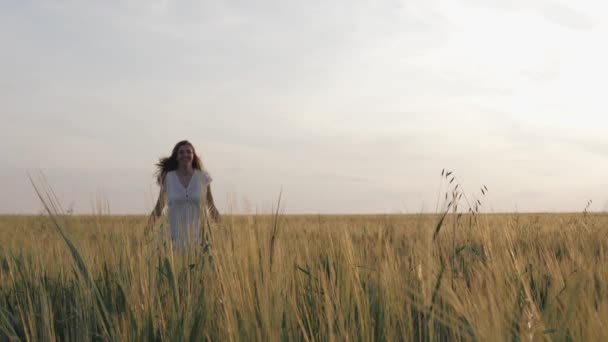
51,204
275,228
439,224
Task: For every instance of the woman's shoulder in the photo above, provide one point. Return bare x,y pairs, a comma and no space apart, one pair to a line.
204,175
168,176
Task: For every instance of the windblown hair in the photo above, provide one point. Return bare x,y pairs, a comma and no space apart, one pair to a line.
167,164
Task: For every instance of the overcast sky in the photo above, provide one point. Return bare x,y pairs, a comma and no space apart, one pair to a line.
348,106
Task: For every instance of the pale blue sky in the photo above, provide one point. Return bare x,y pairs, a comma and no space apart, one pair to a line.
349,106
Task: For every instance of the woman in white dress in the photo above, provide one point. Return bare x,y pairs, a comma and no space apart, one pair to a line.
185,188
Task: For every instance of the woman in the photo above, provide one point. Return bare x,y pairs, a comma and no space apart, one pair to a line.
185,186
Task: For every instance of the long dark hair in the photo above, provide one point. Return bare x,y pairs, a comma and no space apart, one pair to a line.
167,164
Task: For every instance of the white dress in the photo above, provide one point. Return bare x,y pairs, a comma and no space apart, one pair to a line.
185,205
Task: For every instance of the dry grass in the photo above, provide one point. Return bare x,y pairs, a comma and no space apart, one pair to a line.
500,277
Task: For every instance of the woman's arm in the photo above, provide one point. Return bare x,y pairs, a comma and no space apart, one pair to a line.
158,209
215,214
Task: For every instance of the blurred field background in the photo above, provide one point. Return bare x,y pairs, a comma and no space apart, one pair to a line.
308,278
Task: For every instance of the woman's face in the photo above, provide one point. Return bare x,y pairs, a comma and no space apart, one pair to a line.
185,155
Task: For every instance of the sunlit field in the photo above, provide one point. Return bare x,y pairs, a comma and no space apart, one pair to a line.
428,277
488,277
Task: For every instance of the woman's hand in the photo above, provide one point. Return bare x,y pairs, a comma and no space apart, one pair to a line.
155,214
150,224
214,213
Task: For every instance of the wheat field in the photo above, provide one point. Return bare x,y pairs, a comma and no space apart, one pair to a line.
457,275
307,278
